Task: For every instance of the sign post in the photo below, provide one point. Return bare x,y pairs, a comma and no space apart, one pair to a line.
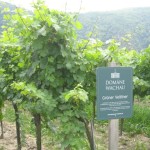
114,98
113,134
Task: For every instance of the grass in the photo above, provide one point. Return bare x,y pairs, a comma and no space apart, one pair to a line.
140,146
140,122
8,112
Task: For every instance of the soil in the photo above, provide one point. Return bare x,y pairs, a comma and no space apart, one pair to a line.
9,142
137,142
126,141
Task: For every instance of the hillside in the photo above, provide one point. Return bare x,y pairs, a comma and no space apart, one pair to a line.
130,23
130,26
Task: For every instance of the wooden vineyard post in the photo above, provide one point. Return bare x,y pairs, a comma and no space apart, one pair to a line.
113,134
113,128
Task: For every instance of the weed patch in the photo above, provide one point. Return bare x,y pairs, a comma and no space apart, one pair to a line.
140,122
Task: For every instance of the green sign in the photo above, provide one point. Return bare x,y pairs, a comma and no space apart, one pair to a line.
114,92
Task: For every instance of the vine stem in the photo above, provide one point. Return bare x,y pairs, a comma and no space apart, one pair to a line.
18,132
2,131
37,121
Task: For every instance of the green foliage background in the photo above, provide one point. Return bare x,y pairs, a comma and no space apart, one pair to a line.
129,26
